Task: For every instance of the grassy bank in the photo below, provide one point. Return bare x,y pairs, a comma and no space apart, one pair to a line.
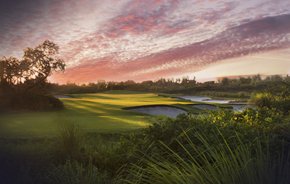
98,112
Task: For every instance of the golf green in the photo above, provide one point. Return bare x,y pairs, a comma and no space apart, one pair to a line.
98,112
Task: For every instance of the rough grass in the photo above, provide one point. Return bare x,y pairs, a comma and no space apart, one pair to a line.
98,112
222,164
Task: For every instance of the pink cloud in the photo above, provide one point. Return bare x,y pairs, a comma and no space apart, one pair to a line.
137,39
243,40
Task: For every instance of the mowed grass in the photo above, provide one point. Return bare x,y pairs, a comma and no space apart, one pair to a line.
98,112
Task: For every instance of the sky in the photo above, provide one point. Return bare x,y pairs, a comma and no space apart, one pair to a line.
117,40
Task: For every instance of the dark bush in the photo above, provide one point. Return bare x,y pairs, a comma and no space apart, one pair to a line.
280,102
29,101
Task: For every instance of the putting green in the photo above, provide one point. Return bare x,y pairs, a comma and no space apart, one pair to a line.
98,112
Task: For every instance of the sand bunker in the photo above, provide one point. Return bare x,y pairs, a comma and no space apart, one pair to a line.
172,112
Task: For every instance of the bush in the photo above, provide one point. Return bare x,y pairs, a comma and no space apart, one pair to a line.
263,100
29,101
280,102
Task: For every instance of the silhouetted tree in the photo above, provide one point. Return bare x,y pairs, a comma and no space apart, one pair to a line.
22,78
34,68
40,63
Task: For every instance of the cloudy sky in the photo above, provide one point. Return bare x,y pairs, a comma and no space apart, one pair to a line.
149,39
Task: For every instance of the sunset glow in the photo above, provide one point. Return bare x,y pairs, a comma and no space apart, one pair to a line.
149,39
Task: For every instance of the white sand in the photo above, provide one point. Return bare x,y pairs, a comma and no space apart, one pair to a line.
160,110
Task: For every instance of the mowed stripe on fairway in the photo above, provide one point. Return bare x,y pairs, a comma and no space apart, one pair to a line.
99,112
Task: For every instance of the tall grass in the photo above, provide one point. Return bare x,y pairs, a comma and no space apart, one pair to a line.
213,164
73,172
75,162
69,142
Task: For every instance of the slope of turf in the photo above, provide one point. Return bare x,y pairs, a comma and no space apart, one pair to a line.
99,112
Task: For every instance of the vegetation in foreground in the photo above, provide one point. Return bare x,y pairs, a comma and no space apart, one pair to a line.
220,147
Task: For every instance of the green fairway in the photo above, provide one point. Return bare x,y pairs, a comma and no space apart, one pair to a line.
99,112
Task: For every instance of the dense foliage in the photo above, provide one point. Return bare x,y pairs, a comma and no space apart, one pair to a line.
280,102
23,82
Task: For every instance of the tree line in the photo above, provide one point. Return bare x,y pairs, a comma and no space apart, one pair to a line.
181,85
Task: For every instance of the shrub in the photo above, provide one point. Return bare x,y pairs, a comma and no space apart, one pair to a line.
29,101
263,100
280,102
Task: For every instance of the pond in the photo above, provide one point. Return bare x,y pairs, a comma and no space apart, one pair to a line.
169,111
